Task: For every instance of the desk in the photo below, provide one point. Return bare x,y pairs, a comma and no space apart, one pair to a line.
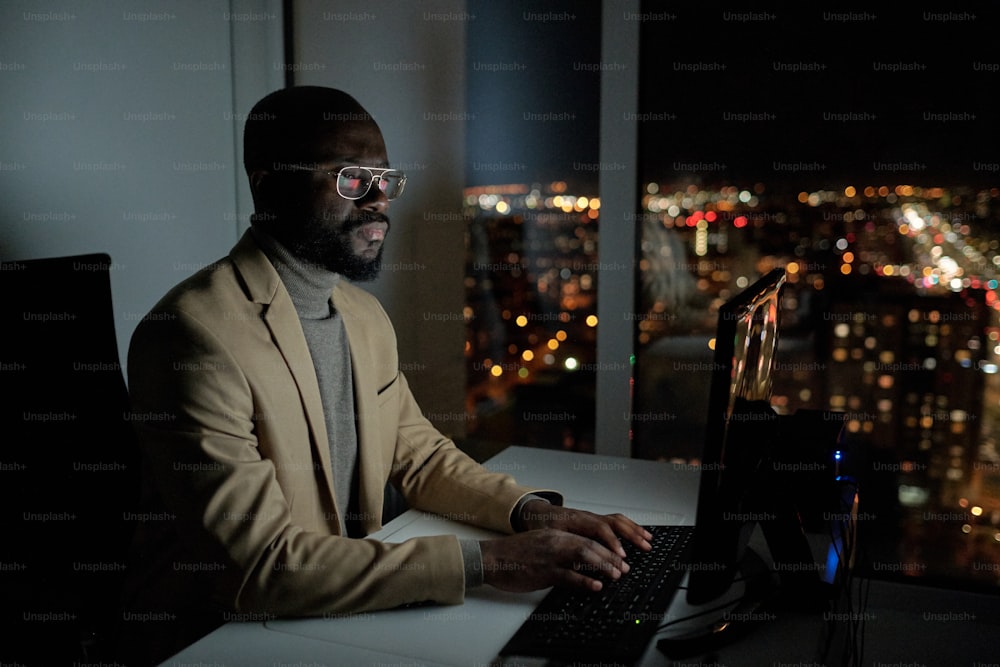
905,623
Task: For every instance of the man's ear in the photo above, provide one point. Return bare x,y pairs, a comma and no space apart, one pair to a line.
256,177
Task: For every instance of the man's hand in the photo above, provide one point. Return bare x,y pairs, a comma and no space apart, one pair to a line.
548,557
602,528
561,547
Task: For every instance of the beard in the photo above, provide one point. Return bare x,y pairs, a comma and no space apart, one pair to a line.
332,248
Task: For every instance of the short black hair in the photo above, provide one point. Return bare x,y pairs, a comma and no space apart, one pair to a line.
282,127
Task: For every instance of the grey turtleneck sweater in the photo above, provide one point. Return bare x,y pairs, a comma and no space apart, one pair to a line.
311,288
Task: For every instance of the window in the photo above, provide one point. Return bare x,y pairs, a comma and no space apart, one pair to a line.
846,147
533,207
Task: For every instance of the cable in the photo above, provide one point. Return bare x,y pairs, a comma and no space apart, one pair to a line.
841,545
844,542
866,585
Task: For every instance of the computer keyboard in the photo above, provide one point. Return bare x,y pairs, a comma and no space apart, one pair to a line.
615,624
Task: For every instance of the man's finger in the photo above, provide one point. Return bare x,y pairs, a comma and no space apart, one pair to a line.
597,558
571,579
631,531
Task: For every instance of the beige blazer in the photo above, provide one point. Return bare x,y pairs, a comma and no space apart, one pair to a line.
239,520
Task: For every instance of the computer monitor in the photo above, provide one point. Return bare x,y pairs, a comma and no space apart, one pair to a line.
752,474
734,448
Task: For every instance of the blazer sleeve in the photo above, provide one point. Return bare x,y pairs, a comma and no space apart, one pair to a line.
434,475
431,472
194,408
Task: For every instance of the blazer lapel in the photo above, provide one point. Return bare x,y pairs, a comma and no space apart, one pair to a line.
265,287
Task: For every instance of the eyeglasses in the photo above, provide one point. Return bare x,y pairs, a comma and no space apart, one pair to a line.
354,182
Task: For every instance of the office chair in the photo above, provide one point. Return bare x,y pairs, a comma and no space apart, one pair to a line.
70,466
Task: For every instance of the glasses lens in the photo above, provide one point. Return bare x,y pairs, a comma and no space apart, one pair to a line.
391,183
353,182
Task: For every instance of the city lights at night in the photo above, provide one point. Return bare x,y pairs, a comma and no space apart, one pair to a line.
890,316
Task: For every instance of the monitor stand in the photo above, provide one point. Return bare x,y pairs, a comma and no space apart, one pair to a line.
758,591
697,629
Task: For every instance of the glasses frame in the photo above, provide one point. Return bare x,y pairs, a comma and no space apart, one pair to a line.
335,175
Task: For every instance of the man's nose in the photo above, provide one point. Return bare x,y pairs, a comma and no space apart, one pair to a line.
374,199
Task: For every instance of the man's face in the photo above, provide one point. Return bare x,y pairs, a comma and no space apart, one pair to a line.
320,226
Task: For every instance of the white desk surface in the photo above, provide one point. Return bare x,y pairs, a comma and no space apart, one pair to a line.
472,634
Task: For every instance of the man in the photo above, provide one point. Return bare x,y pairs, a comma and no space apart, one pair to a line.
272,413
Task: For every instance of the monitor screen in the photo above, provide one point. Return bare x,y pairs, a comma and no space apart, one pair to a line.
745,344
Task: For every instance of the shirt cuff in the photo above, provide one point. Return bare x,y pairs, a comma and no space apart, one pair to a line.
517,516
472,556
